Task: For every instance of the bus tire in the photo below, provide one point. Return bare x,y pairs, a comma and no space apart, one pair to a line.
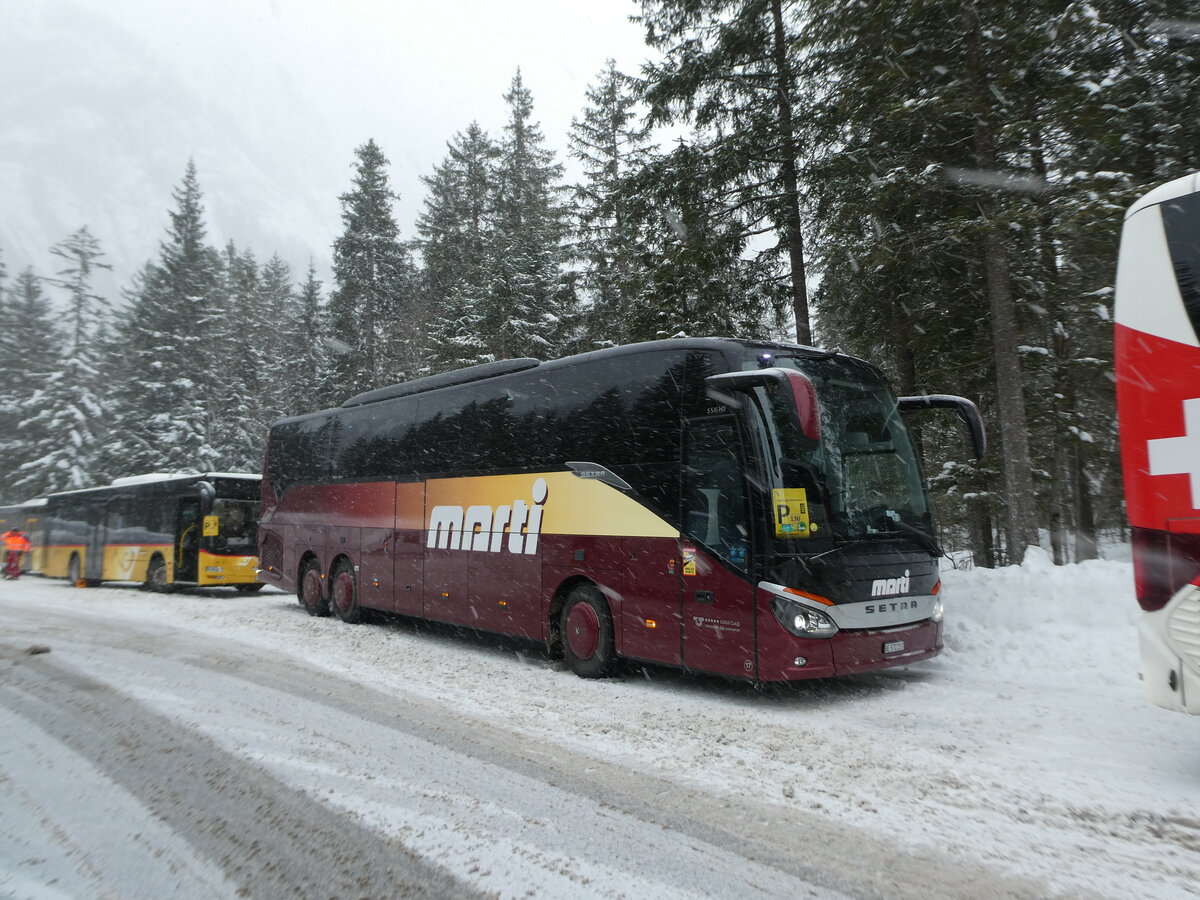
156,576
310,589
343,594
586,627
74,572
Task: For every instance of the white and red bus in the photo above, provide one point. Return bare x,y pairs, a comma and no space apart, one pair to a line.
748,509
1157,350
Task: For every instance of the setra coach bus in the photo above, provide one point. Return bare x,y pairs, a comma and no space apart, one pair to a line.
748,509
162,530
1157,360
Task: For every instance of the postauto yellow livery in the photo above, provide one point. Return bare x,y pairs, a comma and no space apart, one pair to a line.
161,530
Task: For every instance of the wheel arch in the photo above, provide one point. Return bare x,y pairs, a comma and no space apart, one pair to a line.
306,557
338,559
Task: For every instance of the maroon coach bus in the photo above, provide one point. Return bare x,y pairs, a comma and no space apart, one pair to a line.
741,508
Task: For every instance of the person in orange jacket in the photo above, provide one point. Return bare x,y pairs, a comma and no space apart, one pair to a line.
16,545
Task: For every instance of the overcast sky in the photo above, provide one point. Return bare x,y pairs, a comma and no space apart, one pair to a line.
104,101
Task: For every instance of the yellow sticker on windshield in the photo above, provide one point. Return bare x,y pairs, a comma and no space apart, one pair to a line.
791,512
211,528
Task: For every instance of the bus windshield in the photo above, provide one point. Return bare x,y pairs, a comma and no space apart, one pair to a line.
237,525
860,479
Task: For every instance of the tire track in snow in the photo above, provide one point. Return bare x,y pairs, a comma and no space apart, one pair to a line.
269,839
813,849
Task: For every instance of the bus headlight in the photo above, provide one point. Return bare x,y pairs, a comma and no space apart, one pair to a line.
936,613
802,621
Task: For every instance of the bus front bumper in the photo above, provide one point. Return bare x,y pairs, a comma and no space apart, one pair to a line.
1170,651
784,657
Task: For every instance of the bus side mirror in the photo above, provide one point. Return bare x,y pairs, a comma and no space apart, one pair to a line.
967,412
798,385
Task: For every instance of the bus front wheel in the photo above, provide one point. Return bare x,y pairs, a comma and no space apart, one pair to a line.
587,633
311,591
156,576
343,594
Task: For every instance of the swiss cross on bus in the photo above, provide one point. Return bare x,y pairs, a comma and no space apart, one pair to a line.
1180,455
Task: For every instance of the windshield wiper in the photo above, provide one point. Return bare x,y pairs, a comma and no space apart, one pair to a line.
924,538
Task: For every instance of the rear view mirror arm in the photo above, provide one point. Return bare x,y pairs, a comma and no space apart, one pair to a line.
967,412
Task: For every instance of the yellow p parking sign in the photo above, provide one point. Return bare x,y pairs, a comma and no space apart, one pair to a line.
791,512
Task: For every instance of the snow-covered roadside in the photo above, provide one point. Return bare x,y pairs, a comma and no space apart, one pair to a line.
1027,748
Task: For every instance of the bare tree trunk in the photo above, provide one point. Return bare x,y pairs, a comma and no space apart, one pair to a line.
1086,544
791,180
983,546
1021,520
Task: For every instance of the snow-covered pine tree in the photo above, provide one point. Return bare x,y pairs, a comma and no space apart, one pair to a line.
526,301
455,229
30,356
693,277
72,412
374,280
908,203
163,421
611,142
728,68
306,383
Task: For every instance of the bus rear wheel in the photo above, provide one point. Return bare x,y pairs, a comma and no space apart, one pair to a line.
343,594
156,576
311,591
587,633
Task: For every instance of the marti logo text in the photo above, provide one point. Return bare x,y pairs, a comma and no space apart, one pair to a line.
483,529
1180,455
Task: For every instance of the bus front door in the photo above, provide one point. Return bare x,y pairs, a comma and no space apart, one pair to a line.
96,539
718,600
187,540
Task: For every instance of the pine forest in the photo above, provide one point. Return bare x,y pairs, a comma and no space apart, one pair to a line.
934,186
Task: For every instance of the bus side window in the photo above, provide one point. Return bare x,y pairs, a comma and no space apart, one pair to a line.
715,489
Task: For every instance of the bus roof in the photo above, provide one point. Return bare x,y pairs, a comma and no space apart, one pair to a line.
1179,187
476,374
160,478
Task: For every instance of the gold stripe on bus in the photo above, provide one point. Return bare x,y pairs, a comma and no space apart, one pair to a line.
570,506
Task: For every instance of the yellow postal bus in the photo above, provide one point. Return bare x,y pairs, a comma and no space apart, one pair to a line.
161,530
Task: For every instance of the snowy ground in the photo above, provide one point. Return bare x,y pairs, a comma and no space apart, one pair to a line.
205,745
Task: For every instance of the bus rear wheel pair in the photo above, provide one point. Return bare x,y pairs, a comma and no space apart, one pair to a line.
342,599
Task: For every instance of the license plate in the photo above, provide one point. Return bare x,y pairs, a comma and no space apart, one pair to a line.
893,646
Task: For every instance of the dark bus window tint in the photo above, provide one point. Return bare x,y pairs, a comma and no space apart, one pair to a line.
617,412
622,413
371,442
715,489
468,430
1181,221
299,451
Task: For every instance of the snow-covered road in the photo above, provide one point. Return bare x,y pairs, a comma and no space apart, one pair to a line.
204,745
